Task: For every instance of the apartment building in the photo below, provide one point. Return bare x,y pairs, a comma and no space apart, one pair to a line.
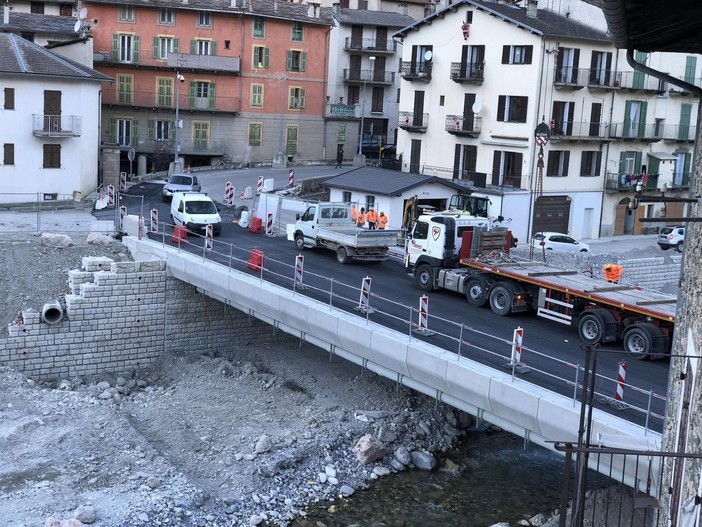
479,77
246,78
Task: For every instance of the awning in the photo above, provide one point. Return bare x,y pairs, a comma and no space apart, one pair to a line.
663,156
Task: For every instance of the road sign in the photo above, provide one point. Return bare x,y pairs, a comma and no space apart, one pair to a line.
131,154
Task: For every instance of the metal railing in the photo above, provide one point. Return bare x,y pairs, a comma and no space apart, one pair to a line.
468,71
411,70
463,126
57,125
413,121
578,131
627,182
370,44
185,61
167,101
636,131
368,76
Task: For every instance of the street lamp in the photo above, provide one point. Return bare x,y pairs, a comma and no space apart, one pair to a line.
179,80
363,106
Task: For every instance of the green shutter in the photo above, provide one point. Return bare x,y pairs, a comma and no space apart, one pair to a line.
686,167
175,45
213,47
639,77
150,126
684,128
135,134
266,57
303,61
193,47
642,120
690,69
653,165
115,47
135,51
288,65
156,46
192,91
212,98
112,131
302,98
627,119
637,162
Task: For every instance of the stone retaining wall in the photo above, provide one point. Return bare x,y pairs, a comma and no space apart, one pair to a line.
120,316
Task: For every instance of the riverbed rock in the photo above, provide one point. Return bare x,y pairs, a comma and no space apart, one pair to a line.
369,448
85,514
55,240
264,444
402,455
423,460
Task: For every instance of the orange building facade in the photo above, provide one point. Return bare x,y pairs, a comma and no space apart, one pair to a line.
247,80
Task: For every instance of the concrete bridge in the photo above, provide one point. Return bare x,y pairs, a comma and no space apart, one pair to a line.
524,409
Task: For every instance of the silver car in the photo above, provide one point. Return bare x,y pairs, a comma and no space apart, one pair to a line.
559,242
180,183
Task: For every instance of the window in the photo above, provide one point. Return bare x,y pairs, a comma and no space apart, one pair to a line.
36,7
164,92
346,196
202,95
9,98
507,168
127,13
296,98
341,135
255,130
600,68
52,156
125,89
378,97
590,164
441,100
562,118
355,94
204,19
124,132
257,95
125,48
201,135
202,47
421,230
291,134
261,56
297,32
8,150
558,163
370,202
635,118
160,130
259,27
297,60
163,46
517,54
65,10
166,16
512,109
227,44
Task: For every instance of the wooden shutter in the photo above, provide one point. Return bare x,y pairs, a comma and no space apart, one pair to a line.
505,54
112,131
288,63
115,47
496,162
303,61
571,113
642,119
193,47
134,139
175,45
156,47
136,47
576,61
501,107
529,51
302,97
192,91
456,161
212,97
266,57
150,129
627,118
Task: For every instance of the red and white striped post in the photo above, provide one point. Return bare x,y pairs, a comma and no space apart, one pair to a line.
140,226
269,224
154,220
364,301
122,181
208,237
242,196
259,185
517,345
110,195
299,269
423,312
291,177
228,194
122,214
621,381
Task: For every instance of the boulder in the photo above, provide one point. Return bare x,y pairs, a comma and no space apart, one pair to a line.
55,240
423,460
264,444
402,455
368,449
95,238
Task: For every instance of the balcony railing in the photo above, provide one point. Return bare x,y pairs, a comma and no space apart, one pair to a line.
567,76
413,122
182,61
637,81
341,110
142,99
370,44
188,146
681,181
416,70
578,131
369,76
632,131
57,125
627,182
458,125
679,132
467,72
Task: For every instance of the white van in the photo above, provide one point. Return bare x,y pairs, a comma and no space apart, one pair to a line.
195,211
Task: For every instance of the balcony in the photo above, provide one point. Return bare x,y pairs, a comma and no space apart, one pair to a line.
154,101
681,92
458,125
413,122
679,133
603,80
640,82
369,76
681,181
627,182
578,131
467,73
57,125
569,77
188,146
415,71
180,61
370,45
649,133
346,111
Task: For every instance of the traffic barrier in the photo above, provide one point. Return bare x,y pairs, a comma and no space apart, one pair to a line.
122,214
110,196
241,196
269,224
515,364
423,323
228,194
122,181
256,225
299,265
208,237
364,300
291,177
255,260
154,220
180,233
140,226
259,185
621,381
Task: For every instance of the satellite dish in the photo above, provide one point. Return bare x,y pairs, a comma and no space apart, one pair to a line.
477,106
83,13
428,55
76,26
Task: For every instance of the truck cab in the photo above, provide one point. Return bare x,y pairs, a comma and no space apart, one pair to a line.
320,215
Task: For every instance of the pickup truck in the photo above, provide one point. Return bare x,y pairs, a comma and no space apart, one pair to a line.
329,225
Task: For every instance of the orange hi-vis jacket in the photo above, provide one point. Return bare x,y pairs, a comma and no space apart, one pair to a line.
361,219
372,216
382,221
353,213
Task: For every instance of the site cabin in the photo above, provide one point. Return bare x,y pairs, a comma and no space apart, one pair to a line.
477,264
330,225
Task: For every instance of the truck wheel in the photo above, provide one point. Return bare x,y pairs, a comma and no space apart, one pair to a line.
424,276
299,241
638,343
342,255
501,297
591,327
476,291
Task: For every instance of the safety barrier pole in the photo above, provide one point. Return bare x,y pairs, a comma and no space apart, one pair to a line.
299,268
140,226
154,220
621,381
291,177
515,363
208,237
259,185
122,181
122,214
422,326
228,194
364,301
241,196
269,224
110,195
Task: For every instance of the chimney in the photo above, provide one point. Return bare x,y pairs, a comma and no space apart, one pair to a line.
531,8
402,9
234,4
6,15
275,5
335,7
313,10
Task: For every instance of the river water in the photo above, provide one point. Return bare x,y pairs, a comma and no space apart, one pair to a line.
496,479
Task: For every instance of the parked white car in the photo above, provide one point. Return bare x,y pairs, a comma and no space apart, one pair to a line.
558,241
